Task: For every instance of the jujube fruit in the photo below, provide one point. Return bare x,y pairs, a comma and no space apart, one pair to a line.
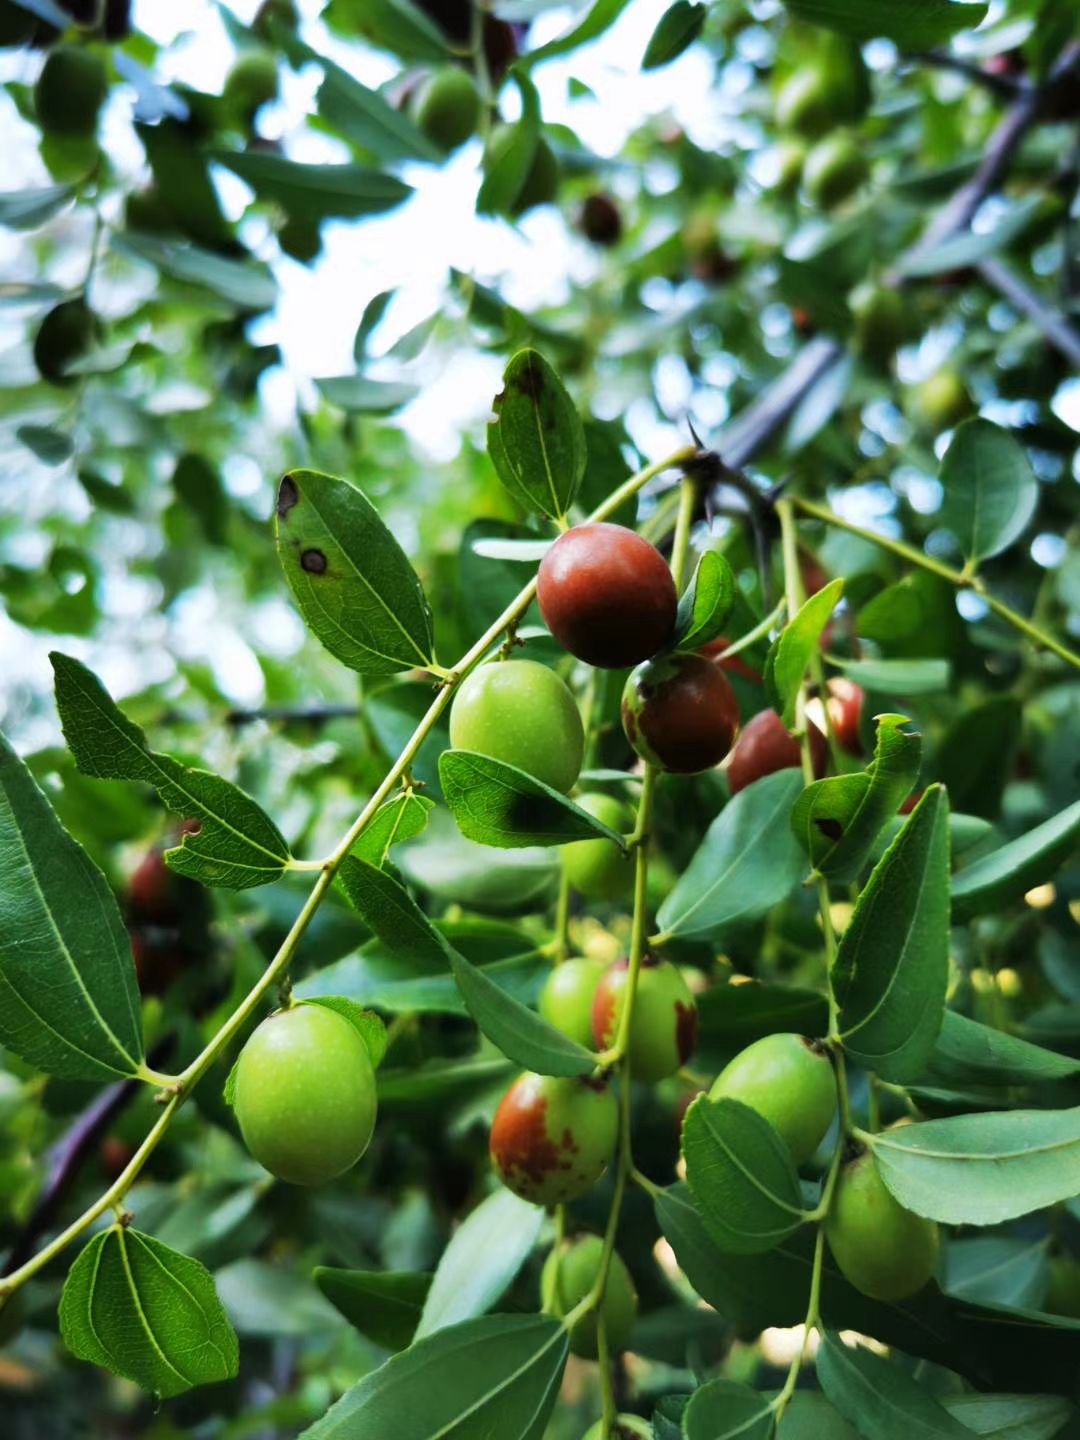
806,103
570,1274
305,1095
251,83
448,107
940,401
878,313
663,1027
566,1001
607,595
845,702
834,170
521,712
600,219
600,869
66,334
680,713
789,1083
733,664
766,745
70,91
884,1250
790,158
552,1138
541,181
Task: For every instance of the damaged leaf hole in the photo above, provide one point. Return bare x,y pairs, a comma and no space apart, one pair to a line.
288,496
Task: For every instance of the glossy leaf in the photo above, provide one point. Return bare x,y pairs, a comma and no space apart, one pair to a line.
910,24
676,30
839,819
50,446
792,649
495,1376
69,1004
996,1269
237,844
880,1399
748,862
705,604
1005,875
362,396
537,441
507,165
365,118
516,1030
891,969
483,1257
741,1175
983,1169
739,1014
990,490
724,1409
351,578
147,1313
315,192
245,284
498,804
601,15
397,820
810,1416
967,1053
1010,1417
904,678
384,1305
27,209
391,913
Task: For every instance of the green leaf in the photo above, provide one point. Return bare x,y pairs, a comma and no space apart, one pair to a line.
898,677
390,912
351,578
839,819
367,1024
891,969
996,880
741,1175
601,17
748,862
910,24
374,311
402,28
982,1169
367,120
974,760
516,1030
996,1269
402,818
237,846
1010,1417
246,284
27,209
882,1401
792,649
498,804
969,247
736,1015
723,1409
676,30
967,1053
705,604
315,192
147,1313
361,396
50,446
484,1255
497,1376
507,164
990,490
537,441
384,1305
69,1004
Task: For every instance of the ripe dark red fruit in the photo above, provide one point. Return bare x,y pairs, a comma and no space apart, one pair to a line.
160,957
552,1138
600,219
663,1028
680,713
734,664
765,746
845,713
607,595
115,1155
912,800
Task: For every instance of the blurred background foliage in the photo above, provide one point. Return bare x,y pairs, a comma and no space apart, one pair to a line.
157,381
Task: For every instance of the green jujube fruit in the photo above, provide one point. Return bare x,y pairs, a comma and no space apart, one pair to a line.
789,1083
884,1250
566,1001
522,713
834,170
569,1275
448,108
599,869
70,91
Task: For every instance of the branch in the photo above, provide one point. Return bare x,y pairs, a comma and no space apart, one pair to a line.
293,714
1006,87
1021,297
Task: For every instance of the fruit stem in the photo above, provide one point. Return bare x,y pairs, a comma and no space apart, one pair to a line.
178,1088
957,578
560,945
680,548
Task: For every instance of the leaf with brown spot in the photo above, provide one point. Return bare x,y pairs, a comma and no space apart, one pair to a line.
537,441
353,582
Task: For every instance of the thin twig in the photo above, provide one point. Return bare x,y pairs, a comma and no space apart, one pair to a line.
1007,87
1021,297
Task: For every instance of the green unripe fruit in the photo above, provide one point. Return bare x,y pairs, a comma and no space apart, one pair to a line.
570,1274
553,1138
940,401
790,158
878,312
65,335
70,91
834,170
566,1001
789,1083
627,1427
541,183
448,108
300,239
522,713
806,104
305,1095
1063,1292
663,1028
251,83
599,869
884,1250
